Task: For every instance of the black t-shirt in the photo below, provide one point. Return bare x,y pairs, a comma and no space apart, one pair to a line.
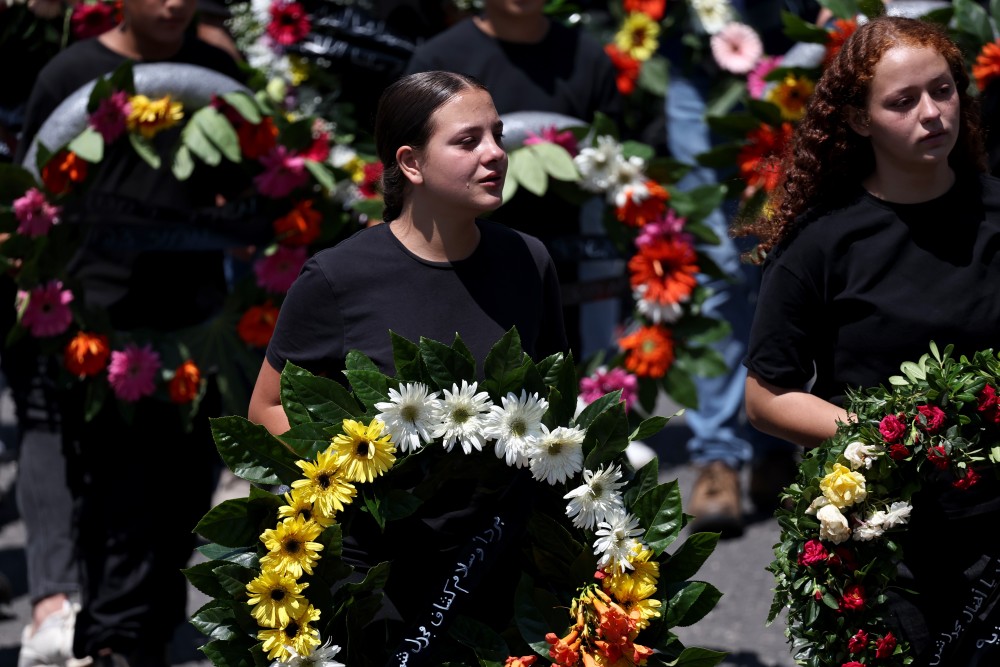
864,288
350,297
566,73
156,288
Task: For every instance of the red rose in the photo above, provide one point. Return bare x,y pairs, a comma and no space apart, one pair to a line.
813,552
853,599
988,404
892,428
938,457
884,646
898,451
853,663
858,642
843,558
967,482
931,417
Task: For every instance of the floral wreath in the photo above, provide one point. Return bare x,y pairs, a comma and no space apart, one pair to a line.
937,425
274,559
291,164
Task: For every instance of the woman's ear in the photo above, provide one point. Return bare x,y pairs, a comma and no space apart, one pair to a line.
409,164
859,121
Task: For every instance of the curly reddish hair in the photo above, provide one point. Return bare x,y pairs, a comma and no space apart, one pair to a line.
826,160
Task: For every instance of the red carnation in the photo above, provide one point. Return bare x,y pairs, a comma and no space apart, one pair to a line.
853,599
898,451
892,427
858,642
884,646
933,417
289,23
813,552
938,456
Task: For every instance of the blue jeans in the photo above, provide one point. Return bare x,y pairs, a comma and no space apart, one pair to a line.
720,431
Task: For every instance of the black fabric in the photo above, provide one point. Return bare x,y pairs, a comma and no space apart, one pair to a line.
856,292
866,287
350,297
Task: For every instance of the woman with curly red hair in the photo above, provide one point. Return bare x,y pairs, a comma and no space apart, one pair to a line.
884,235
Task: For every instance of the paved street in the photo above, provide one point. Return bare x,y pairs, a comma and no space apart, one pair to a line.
736,568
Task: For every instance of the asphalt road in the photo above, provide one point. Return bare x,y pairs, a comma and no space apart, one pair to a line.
736,625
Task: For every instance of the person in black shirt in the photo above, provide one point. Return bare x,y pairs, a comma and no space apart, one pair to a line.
882,239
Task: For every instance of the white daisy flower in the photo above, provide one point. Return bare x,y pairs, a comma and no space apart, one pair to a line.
595,163
408,415
321,656
617,539
596,498
665,313
461,417
558,454
713,15
516,426
897,515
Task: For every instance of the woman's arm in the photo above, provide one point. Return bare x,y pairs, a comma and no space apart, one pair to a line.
265,402
791,414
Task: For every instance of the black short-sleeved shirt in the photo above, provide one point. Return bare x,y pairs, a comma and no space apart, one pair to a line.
350,297
864,288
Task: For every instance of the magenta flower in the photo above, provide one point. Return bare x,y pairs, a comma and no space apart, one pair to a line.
283,172
756,85
552,135
604,381
132,371
45,309
667,226
35,216
277,271
736,48
110,116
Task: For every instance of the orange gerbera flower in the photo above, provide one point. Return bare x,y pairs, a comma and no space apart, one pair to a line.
987,65
638,213
838,34
759,159
627,68
791,95
652,8
62,170
86,354
300,226
649,351
668,267
256,326
186,383
257,140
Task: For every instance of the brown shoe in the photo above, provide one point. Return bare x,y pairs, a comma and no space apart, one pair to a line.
715,501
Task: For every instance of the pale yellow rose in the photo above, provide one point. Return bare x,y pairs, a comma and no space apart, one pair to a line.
843,487
832,524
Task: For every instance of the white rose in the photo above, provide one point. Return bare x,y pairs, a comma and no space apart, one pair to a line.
867,531
859,454
833,526
819,501
897,514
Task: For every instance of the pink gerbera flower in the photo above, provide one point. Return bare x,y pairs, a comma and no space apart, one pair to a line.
35,216
756,85
737,48
553,136
276,271
604,381
667,226
283,172
132,372
45,309
109,119
289,23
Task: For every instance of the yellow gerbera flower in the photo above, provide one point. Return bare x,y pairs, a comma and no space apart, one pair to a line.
275,598
638,36
300,505
291,546
791,96
148,117
325,484
298,70
297,635
362,451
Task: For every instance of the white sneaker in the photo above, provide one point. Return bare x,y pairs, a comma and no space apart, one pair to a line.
52,644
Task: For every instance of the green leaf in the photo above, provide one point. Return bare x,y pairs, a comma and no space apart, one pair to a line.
200,146
660,510
695,656
525,167
654,77
307,397
183,164
689,602
370,387
727,98
245,105
237,522
145,150
679,385
535,615
691,555
307,440
556,161
89,145
971,18
505,365
509,187
871,8
649,427
843,9
487,644
445,365
219,131
800,30
252,453
406,358
322,174
216,622
228,654
202,576
607,436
